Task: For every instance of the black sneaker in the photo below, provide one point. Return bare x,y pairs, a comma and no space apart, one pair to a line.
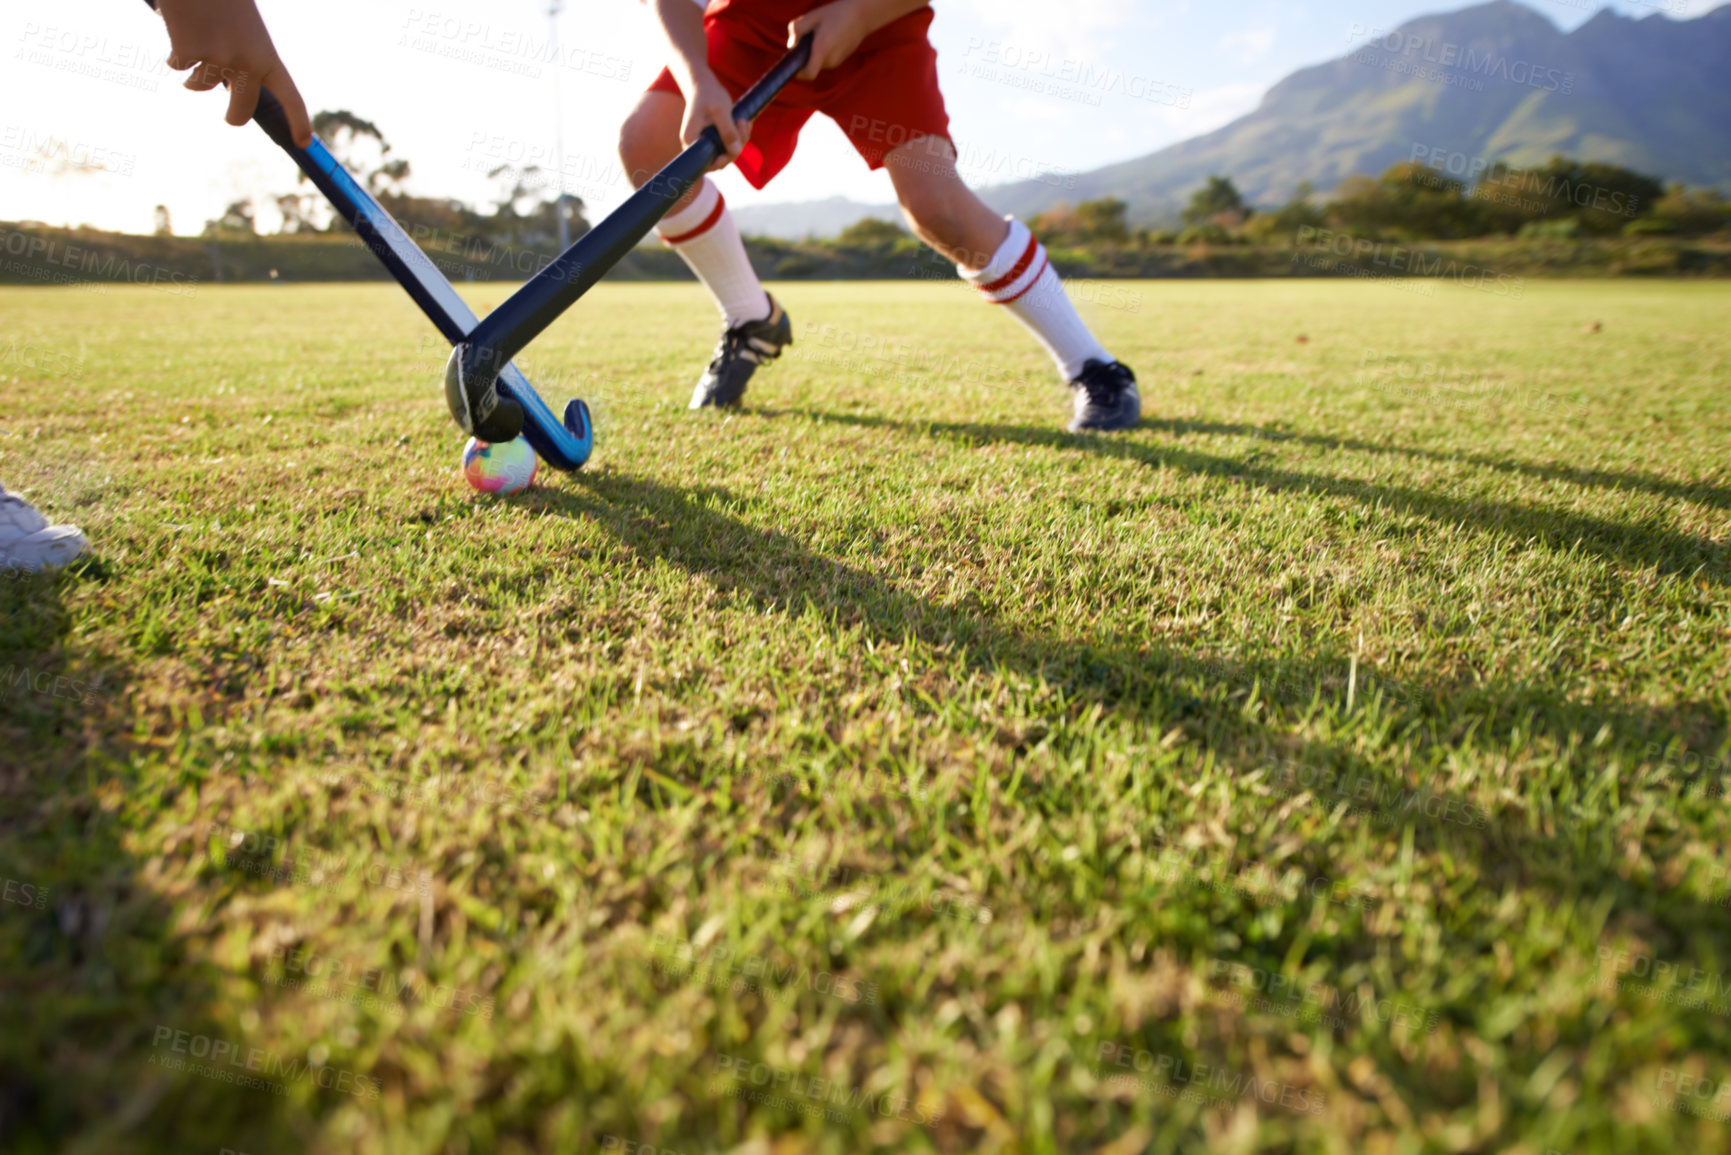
741,350
1106,397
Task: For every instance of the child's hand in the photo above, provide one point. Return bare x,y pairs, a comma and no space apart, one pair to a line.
226,41
838,28
708,103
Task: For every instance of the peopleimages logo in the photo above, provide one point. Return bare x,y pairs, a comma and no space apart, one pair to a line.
252,1067
809,879
1712,770
40,153
1438,385
24,894
1498,183
829,1095
1446,54
503,49
1697,1095
1408,261
451,793
1282,994
82,53
1195,1082
91,265
318,974
611,1142
253,853
1682,984
719,966
1376,795
46,360
1037,70
49,685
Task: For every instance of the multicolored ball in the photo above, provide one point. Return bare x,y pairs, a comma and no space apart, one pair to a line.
503,469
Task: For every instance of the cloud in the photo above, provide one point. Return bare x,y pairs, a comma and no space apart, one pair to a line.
1072,28
1250,45
1673,9
1679,9
1210,108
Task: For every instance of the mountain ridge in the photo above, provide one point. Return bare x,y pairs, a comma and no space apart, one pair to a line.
797,220
1493,81
1497,81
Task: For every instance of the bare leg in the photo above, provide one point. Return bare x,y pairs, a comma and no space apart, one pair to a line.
649,138
1009,267
941,209
701,230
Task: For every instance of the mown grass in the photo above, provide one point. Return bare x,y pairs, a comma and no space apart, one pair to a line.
881,734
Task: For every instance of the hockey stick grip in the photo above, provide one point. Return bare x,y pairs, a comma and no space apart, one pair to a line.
758,96
269,115
273,118
747,107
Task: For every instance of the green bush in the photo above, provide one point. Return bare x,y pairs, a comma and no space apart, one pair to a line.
1651,227
1563,229
1206,234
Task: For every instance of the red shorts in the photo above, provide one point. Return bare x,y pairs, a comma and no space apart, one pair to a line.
882,96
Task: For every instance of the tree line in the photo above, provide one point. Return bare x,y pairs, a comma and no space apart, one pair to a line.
1417,201
1638,223
523,218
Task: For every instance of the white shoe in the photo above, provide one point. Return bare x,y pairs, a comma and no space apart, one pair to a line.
28,542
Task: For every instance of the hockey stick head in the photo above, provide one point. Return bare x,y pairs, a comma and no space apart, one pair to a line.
507,402
472,393
516,407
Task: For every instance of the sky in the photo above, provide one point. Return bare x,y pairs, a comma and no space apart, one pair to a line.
94,128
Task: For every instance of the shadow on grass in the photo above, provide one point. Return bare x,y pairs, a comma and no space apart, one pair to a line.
1565,862
1137,681
1593,478
1492,708
95,962
1664,549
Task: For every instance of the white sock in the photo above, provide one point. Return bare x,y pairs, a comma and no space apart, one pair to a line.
704,234
1019,276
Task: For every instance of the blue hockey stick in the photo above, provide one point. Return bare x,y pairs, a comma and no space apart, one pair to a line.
563,445
475,387
487,395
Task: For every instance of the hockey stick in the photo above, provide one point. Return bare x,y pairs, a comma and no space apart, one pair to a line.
564,445
470,375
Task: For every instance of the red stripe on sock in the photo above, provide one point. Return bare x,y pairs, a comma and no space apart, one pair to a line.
708,222
1009,278
1029,285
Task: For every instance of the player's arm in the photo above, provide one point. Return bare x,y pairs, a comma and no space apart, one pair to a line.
839,27
225,42
707,101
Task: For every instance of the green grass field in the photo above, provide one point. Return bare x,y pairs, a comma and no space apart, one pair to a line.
1336,763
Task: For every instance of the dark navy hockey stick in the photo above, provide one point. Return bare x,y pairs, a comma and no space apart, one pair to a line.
564,445
506,330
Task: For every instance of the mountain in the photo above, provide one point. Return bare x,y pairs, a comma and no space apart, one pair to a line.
795,221
1492,82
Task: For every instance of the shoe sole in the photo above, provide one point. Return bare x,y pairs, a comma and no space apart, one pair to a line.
51,548
1119,421
1116,425
702,400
